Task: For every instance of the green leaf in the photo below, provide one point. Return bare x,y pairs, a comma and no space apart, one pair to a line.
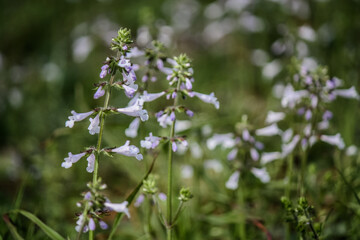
12,228
46,229
130,198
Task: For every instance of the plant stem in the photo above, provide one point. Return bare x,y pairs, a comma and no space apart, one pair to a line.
148,218
102,123
169,226
288,191
303,170
242,229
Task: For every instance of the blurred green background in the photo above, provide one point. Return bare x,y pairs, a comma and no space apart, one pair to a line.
51,53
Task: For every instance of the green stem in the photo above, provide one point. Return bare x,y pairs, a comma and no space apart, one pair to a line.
288,191
169,226
148,218
242,229
102,123
303,173
177,214
91,235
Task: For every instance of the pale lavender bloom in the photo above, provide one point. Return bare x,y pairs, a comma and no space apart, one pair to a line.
307,130
124,63
140,199
233,181
327,115
314,101
130,90
301,111
164,120
162,196
182,125
323,125
119,207
99,93
232,154
269,157
188,84
87,196
289,147
153,79
149,97
214,165
159,64
308,114
145,78
174,146
335,140
274,117
304,143
103,225
287,135
132,130
135,110
254,154
76,117
291,98
68,162
208,98
225,140
261,174
173,95
91,224
129,150
79,223
172,116
246,135
347,93
308,80
271,130
135,52
259,145
91,163
104,70
150,142
333,83
189,113
94,125
130,78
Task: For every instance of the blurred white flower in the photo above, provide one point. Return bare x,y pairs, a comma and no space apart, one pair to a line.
261,174
119,207
233,181
335,140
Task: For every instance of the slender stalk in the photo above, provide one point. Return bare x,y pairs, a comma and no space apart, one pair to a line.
148,228
102,123
288,191
169,226
242,228
177,214
303,170
91,235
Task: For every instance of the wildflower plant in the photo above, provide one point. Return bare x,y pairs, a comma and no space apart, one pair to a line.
95,204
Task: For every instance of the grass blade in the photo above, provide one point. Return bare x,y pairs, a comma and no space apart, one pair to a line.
45,228
12,228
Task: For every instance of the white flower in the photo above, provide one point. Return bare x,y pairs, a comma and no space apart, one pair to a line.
335,140
269,130
182,125
94,125
291,98
135,110
135,52
187,171
261,174
119,207
130,89
287,135
80,223
76,117
99,93
91,163
289,147
233,181
351,150
208,98
347,93
68,162
214,165
149,97
132,130
274,117
165,120
124,63
150,142
232,154
225,140
269,157
128,150
254,154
